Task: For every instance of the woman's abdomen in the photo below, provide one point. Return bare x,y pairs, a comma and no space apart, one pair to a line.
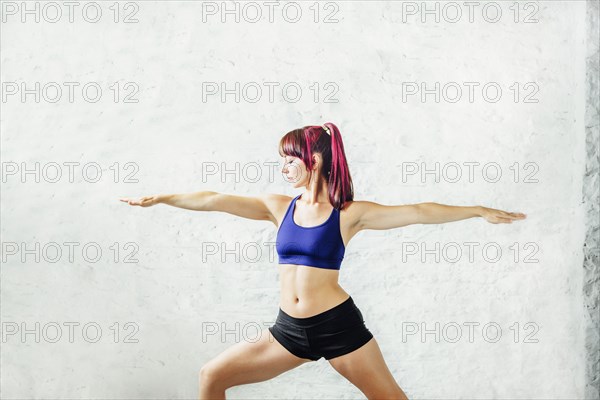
307,291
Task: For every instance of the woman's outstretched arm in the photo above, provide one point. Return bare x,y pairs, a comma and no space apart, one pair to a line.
258,207
196,201
378,216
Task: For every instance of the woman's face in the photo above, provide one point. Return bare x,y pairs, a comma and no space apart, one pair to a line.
294,171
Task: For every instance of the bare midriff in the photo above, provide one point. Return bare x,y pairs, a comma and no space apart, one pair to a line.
308,291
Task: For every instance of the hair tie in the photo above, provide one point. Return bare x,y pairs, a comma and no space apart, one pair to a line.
326,129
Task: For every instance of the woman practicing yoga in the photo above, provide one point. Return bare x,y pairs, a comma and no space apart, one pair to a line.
316,318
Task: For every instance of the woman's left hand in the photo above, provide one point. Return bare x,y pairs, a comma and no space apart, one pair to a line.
500,217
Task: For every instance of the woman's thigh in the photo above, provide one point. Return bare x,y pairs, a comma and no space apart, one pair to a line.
250,362
366,369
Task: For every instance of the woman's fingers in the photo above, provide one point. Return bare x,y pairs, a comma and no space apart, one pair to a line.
502,217
130,201
515,215
506,217
512,215
145,201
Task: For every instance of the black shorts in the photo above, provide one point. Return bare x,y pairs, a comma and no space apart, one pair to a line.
332,333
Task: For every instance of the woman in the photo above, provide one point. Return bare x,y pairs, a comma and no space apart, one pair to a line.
316,318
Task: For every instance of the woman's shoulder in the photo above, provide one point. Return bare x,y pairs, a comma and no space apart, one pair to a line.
276,198
276,201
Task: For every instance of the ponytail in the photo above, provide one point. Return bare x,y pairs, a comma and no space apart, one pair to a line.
340,184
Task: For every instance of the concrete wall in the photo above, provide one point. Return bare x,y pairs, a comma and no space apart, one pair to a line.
591,199
142,298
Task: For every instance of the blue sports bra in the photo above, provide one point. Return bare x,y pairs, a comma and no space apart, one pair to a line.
318,246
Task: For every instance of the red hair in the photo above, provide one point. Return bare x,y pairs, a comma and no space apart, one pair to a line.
311,139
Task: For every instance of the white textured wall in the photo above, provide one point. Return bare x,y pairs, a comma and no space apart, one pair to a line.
170,135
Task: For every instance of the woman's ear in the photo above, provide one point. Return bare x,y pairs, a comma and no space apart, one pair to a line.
316,161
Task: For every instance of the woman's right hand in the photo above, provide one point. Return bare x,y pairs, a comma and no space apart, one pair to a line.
145,201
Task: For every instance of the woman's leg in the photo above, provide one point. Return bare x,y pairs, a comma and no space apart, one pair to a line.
366,369
246,362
